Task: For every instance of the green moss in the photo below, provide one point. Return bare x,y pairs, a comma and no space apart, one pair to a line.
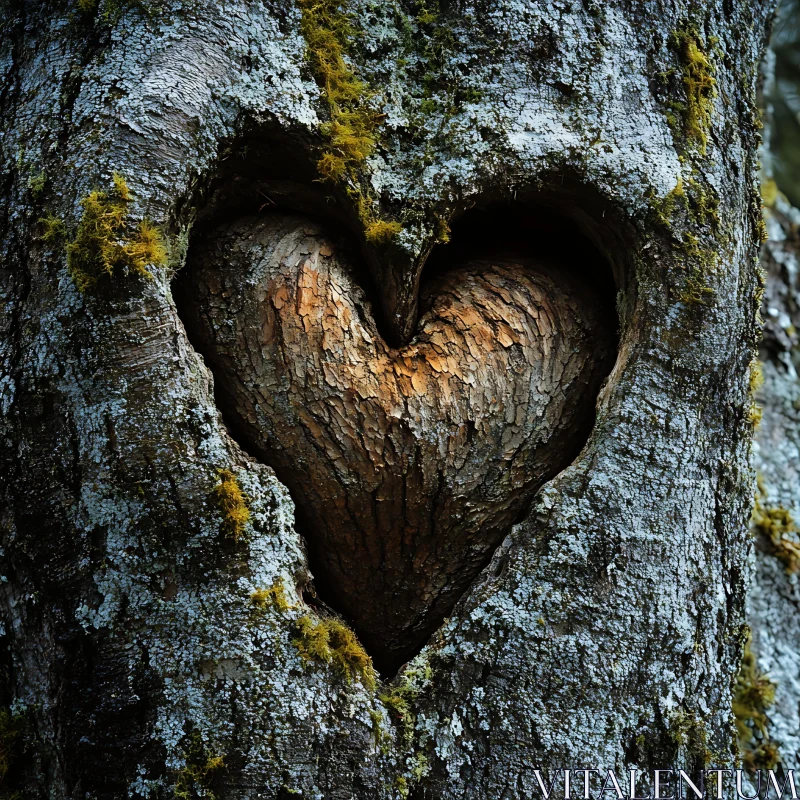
351,132
201,767
53,228
401,784
697,74
693,209
399,700
703,204
776,524
756,376
274,597
665,209
380,231
690,735
761,228
442,230
330,641
37,183
696,290
377,725
232,503
105,243
769,192
754,693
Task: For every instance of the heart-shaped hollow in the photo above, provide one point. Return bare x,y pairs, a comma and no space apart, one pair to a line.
407,466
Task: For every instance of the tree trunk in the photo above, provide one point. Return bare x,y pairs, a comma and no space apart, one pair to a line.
165,631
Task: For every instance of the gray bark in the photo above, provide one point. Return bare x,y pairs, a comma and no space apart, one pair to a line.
606,629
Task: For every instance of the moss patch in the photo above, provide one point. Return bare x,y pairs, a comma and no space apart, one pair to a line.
777,525
753,694
37,184
400,699
769,192
105,243
689,734
351,129
232,503
351,132
53,228
197,776
329,640
274,597
697,73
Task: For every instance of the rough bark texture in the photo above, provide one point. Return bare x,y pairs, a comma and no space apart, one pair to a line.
774,599
407,466
607,627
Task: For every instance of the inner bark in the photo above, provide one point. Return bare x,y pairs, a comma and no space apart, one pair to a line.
408,465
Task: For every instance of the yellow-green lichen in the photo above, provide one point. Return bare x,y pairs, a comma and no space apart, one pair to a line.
105,242
379,231
756,376
703,203
274,597
690,736
753,694
776,524
351,129
689,212
377,727
351,132
761,228
330,641
665,209
697,72
769,192
696,290
53,228
195,779
399,699
232,503
442,230
755,412
37,183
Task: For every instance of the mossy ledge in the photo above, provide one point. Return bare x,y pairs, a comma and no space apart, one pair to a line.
351,131
330,641
105,242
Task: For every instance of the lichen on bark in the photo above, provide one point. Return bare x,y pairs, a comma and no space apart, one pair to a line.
612,608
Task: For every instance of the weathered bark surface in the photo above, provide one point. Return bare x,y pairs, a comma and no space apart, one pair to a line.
408,466
607,626
774,599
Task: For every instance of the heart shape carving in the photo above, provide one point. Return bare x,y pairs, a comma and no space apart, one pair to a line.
409,465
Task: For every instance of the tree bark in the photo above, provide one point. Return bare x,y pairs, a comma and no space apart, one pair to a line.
162,634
